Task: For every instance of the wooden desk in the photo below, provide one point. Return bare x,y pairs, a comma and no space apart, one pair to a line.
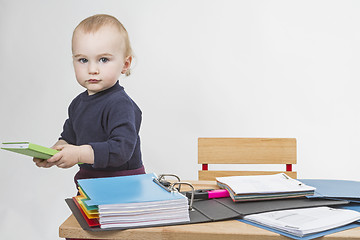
224,230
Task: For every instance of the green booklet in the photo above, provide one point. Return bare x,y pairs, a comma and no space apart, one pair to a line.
29,149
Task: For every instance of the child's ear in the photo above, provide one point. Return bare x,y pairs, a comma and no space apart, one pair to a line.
127,65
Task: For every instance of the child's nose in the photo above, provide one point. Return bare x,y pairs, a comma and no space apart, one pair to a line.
93,69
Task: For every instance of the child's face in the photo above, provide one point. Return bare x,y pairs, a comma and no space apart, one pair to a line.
98,58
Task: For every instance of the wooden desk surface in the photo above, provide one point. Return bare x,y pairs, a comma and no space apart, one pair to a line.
224,230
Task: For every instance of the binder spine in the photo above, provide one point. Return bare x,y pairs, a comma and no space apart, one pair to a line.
172,188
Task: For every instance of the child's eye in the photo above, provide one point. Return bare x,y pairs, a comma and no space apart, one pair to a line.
83,60
103,60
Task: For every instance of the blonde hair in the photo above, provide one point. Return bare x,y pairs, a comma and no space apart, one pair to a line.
94,23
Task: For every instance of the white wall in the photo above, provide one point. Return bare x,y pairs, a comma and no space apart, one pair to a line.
206,68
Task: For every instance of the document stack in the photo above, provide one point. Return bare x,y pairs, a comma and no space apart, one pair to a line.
305,221
263,187
130,201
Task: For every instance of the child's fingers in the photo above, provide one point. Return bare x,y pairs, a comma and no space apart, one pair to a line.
40,162
37,160
48,165
59,147
62,164
55,158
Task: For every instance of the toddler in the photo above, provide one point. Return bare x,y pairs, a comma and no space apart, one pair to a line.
102,129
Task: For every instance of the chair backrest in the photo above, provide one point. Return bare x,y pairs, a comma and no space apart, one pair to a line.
245,151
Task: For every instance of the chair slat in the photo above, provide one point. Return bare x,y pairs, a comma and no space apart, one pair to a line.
247,150
211,175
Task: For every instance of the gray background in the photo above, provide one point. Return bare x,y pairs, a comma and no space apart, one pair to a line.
203,69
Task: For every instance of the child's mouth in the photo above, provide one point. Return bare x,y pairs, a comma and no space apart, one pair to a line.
93,81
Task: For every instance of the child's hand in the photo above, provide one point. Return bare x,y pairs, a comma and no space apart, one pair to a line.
68,156
42,163
71,155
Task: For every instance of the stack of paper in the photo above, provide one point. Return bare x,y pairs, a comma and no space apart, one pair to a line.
130,201
263,187
305,221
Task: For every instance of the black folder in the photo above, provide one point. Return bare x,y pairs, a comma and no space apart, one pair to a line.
224,209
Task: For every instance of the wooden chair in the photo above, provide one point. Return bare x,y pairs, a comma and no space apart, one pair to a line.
245,151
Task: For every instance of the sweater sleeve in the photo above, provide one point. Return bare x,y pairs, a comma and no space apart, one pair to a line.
68,133
120,126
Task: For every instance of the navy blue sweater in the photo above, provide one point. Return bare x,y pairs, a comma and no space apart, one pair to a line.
109,121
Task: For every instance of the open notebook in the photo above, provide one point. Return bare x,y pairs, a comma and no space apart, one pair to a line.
263,187
305,221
